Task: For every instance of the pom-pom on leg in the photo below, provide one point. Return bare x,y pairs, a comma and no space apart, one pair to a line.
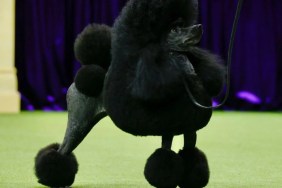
196,173
89,80
54,169
164,169
93,46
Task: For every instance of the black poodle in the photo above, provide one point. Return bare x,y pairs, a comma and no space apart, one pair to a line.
154,62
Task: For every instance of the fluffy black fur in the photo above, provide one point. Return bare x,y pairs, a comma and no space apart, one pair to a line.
164,169
89,80
196,173
153,58
209,68
54,169
93,44
144,90
167,77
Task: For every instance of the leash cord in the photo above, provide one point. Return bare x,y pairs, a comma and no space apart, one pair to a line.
230,50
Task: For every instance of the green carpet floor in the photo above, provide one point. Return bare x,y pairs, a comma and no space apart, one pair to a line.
244,151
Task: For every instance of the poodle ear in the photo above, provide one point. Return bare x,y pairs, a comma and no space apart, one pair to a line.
157,76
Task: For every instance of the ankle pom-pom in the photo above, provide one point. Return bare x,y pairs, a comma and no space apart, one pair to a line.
164,168
54,169
197,172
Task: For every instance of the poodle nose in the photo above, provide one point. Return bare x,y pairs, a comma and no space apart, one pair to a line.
197,28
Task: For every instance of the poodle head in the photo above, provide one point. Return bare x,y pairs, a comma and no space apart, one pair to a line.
159,16
180,39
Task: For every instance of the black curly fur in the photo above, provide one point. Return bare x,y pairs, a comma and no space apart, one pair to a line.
169,77
93,45
89,80
146,81
196,173
54,169
156,17
209,68
164,169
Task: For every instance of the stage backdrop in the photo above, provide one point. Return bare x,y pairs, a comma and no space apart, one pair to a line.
46,30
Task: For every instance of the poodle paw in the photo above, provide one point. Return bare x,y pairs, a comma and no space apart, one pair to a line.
54,169
196,173
164,169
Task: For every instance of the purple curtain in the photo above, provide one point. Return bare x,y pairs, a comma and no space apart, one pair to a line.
256,76
46,30
45,33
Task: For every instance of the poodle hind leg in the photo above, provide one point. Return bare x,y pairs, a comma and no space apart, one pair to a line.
56,165
196,170
164,168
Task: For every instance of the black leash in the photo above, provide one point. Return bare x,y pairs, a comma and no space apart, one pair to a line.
230,50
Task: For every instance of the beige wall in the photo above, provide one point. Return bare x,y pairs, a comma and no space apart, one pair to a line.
9,96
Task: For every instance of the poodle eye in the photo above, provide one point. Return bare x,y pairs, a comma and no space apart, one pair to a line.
176,30
176,25
173,30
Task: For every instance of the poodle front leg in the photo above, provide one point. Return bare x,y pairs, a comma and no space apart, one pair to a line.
190,140
196,170
167,142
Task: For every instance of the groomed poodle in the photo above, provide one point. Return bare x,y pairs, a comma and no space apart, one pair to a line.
140,73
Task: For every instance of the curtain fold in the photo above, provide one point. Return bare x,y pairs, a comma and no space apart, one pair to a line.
256,62
46,30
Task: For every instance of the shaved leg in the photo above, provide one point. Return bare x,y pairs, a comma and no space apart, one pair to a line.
167,142
190,140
